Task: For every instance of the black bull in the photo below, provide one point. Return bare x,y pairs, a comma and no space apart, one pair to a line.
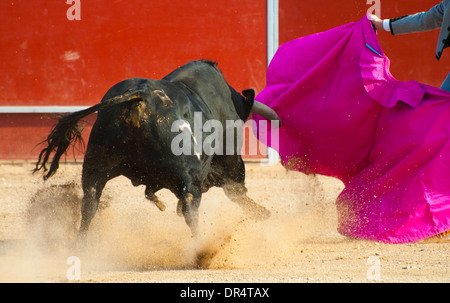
132,137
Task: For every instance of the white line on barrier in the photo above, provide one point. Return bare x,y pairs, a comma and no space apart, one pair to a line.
39,109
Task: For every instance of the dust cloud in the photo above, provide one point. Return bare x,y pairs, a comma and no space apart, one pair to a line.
129,233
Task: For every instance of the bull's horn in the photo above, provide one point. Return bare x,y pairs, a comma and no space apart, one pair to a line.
260,108
265,111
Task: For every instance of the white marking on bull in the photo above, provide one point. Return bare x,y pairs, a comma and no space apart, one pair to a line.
185,125
163,96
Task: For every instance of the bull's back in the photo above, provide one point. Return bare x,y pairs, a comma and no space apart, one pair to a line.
210,92
124,86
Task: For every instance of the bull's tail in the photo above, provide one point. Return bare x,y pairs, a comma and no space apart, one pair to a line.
67,131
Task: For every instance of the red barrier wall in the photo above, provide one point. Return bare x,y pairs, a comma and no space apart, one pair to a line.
50,60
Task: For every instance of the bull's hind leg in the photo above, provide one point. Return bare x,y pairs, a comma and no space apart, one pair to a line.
190,203
93,185
237,193
233,176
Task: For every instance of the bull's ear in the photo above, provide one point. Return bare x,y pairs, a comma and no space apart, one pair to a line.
249,94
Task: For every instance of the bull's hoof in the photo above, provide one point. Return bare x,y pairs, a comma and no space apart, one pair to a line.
180,208
152,197
161,206
259,213
80,243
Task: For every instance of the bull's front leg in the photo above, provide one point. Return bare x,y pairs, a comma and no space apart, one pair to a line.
188,191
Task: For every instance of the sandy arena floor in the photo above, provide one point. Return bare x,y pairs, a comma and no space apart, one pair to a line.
130,240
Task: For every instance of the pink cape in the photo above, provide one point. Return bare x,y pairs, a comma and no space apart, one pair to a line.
344,115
